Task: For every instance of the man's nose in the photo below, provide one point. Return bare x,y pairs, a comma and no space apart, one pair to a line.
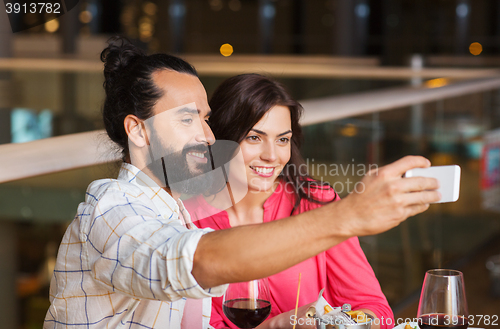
206,135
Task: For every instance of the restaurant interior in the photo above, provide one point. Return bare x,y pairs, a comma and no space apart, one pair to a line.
378,80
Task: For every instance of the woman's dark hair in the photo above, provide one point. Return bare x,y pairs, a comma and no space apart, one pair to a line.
129,85
240,102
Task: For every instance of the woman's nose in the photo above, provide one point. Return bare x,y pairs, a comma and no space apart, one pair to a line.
268,152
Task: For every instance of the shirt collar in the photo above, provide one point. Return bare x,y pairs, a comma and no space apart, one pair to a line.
160,197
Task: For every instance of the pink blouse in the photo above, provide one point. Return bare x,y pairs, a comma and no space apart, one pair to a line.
343,270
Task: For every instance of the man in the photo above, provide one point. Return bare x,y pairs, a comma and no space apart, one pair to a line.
128,261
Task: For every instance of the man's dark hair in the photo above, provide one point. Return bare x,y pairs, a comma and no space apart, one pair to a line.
129,85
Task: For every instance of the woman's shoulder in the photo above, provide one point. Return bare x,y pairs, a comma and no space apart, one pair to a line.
203,214
319,190
194,202
313,194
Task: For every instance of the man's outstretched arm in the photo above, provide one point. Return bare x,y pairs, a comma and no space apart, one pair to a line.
254,251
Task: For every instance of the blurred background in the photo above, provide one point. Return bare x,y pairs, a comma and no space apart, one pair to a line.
378,80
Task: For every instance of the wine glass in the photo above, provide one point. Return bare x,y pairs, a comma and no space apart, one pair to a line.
246,304
442,301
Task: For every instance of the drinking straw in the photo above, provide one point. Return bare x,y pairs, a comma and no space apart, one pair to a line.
297,303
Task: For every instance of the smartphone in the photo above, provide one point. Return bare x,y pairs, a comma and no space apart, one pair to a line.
448,177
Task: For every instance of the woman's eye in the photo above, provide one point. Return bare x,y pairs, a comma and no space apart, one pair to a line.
284,140
253,138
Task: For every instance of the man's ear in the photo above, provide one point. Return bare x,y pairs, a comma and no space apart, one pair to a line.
136,130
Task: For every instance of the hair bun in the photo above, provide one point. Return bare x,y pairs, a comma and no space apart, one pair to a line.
117,56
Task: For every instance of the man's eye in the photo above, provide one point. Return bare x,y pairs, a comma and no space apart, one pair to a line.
187,121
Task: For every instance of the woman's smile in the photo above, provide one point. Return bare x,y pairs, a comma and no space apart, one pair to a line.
263,171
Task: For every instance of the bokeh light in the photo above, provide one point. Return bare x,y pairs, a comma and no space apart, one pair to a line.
52,26
462,10
436,83
226,50
475,48
349,130
150,8
85,16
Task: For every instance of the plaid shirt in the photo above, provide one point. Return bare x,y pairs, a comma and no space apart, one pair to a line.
126,259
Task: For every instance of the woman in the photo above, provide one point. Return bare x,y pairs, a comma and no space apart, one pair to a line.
260,115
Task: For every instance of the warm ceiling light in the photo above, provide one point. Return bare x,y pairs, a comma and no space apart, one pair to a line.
226,50
475,48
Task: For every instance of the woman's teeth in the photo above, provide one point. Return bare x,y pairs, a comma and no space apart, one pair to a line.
263,170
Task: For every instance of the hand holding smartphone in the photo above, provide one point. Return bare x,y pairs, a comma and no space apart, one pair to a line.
448,177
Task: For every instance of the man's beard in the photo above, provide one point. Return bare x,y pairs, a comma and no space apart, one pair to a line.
173,169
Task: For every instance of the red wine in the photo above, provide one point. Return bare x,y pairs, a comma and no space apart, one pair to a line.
247,312
441,321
